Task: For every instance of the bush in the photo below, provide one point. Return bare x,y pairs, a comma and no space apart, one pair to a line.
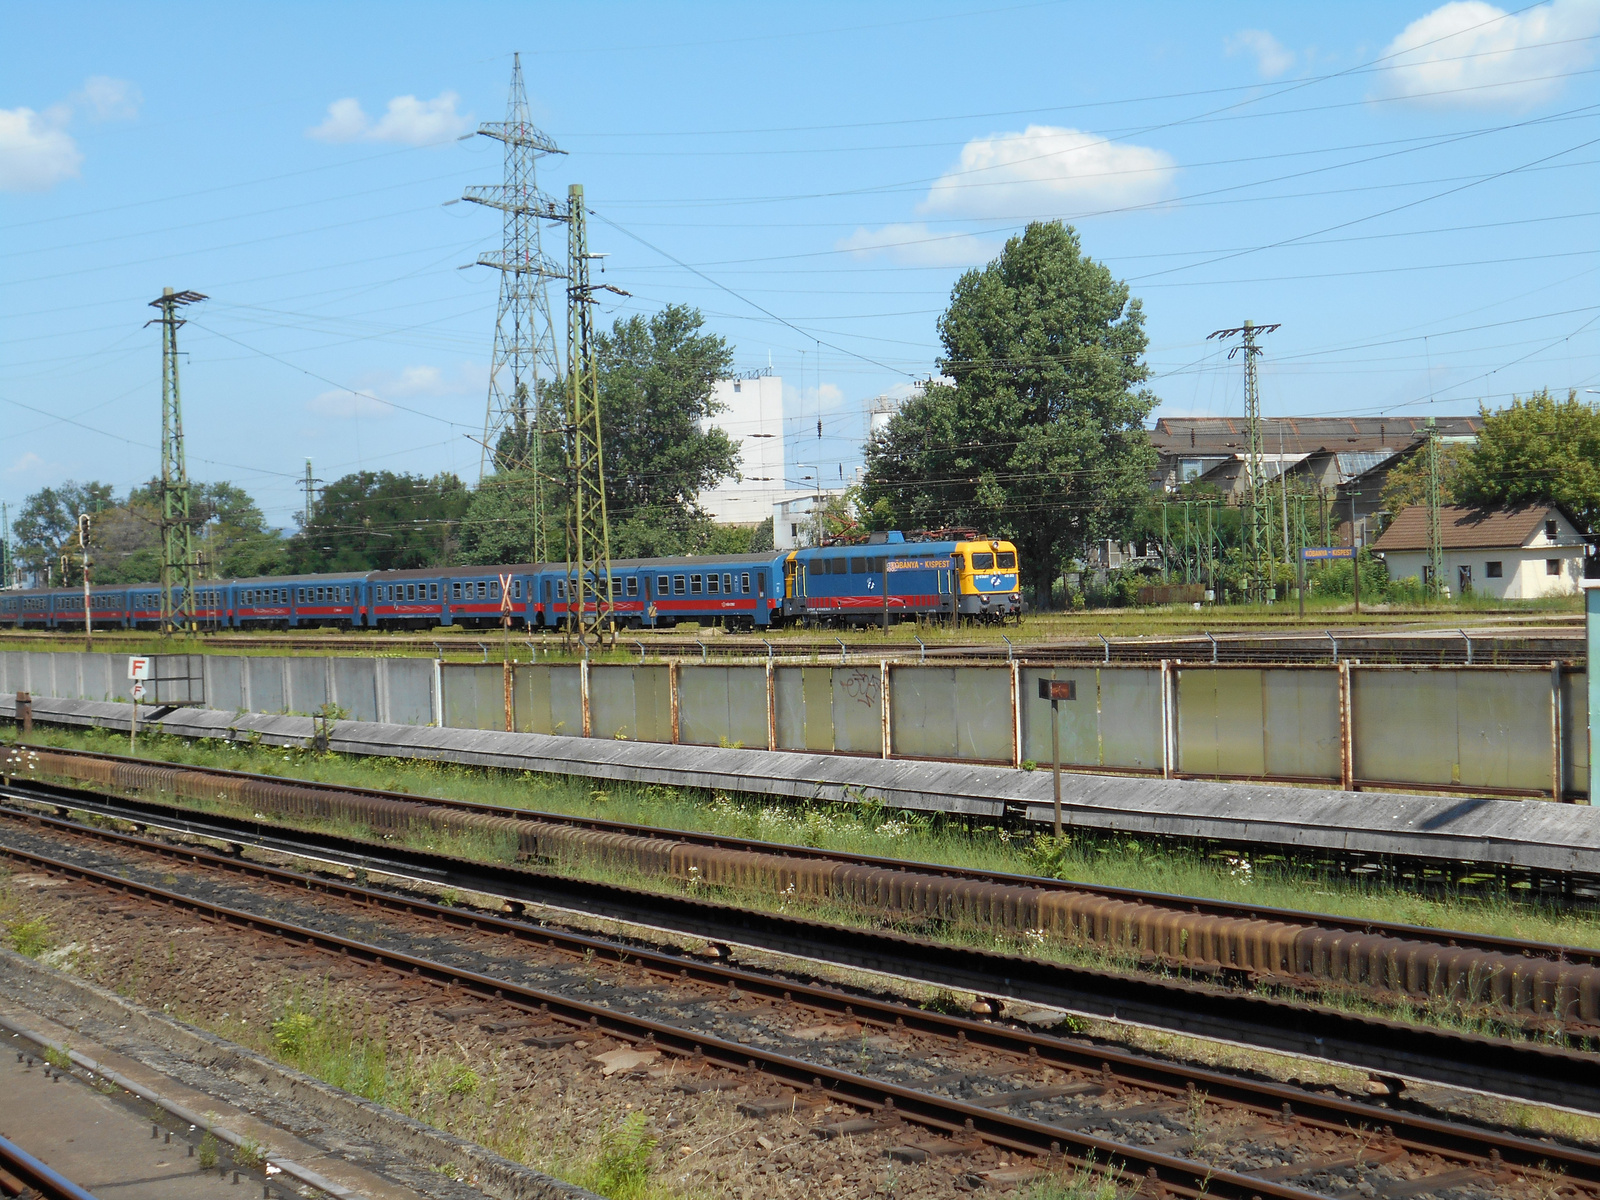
29,938
621,1170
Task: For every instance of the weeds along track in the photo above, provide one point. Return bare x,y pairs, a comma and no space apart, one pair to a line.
922,1087
1438,1048
1536,986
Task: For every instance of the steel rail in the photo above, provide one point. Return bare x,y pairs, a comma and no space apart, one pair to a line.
887,1099
1544,1075
1553,951
1414,1131
48,1183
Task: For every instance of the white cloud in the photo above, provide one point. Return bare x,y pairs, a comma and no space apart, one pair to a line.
1047,169
109,99
36,151
1272,57
918,246
375,391
1480,55
29,464
406,122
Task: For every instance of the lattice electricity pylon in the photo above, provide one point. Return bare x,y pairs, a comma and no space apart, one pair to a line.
524,362
1436,581
177,528
1260,525
588,535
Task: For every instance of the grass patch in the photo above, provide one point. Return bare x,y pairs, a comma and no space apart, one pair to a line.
29,938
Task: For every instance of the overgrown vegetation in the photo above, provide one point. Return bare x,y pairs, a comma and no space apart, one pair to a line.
1144,863
30,938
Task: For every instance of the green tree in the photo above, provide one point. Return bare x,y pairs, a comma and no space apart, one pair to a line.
46,529
377,520
1536,450
657,390
498,524
1039,434
1407,482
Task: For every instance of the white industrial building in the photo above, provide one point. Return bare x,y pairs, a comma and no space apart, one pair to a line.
1518,553
752,415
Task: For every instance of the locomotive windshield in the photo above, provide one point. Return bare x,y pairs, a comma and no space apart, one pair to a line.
982,561
1008,560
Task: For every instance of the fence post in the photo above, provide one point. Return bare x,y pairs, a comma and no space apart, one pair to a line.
1558,768
1166,719
1016,714
672,697
437,699
772,703
1347,764
25,713
583,696
883,699
1591,601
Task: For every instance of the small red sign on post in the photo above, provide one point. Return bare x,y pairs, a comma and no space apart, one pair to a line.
1058,689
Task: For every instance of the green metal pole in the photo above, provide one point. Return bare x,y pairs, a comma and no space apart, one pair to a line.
1591,594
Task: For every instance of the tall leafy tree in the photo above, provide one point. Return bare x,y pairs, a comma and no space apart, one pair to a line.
658,377
1036,433
1536,449
378,520
46,529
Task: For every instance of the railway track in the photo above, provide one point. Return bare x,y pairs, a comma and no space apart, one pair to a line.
925,1086
19,1167
1538,987
1519,1069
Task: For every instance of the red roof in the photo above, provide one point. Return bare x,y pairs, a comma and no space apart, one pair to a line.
1462,528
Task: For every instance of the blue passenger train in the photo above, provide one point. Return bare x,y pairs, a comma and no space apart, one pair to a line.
885,581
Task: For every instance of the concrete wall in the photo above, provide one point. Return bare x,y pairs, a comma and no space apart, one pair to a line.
1478,729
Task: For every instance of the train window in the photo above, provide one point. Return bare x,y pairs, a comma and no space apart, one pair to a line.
516,589
433,591
858,566
455,590
494,590
633,585
561,589
483,589
411,591
663,588
877,566
677,585
712,584
694,585
727,585
744,583
1008,560
983,561
347,595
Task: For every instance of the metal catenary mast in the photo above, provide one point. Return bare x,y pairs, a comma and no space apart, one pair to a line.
1436,580
524,362
1260,529
177,528
588,535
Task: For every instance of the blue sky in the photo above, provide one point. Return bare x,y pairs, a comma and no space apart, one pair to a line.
1409,188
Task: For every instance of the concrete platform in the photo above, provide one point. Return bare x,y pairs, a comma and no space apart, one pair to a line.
1529,834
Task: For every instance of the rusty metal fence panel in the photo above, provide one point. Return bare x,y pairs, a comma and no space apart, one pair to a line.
951,712
1575,731
473,698
632,703
858,710
723,706
1115,721
1482,729
1258,722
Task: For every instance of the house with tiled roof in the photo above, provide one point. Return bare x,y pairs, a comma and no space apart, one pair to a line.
1519,553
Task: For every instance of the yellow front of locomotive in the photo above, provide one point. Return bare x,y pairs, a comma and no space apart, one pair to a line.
988,584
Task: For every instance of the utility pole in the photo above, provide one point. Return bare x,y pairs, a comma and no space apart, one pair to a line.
88,619
1435,532
177,530
1260,534
1355,553
308,484
588,535
524,362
